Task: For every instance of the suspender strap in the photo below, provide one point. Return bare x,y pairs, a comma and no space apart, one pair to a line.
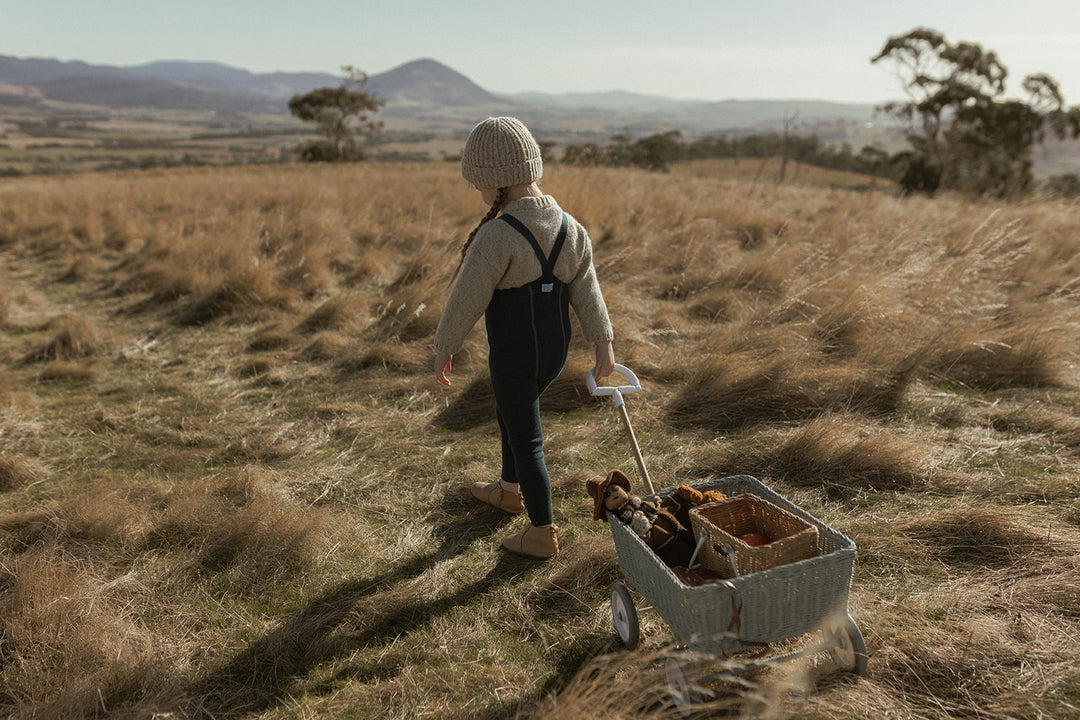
559,240
546,264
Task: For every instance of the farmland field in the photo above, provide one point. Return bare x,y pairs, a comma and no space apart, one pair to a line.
230,486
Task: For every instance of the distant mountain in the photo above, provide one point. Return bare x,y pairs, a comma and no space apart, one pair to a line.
163,85
32,71
421,87
278,85
124,91
426,83
423,90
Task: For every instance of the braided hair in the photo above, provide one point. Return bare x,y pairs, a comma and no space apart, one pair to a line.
496,207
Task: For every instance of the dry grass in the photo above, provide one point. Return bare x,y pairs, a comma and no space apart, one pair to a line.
75,338
5,309
230,487
833,453
17,472
979,538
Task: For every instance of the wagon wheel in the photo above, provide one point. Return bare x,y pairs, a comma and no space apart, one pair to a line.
847,647
685,694
625,616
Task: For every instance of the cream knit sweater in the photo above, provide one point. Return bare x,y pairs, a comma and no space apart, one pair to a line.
500,258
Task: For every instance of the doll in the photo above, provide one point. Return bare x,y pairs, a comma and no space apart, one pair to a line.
652,522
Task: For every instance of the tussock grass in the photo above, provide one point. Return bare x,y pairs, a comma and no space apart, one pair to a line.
981,634
17,471
1056,589
75,338
337,313
1024,356
753,387
327,346
1055,424
832,452
389,356
243,526
835,453
250,288
58,371
69,648
255,368
260,508
627,685
271,339
980,537
409,313
164,281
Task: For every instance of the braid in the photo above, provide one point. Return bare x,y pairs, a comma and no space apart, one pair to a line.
496,207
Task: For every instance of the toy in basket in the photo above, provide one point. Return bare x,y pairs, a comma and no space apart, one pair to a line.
752,534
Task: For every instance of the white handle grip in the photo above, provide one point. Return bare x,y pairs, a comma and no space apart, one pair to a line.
616,392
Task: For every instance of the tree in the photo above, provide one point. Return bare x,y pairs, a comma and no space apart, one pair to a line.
656,151
340,115
963,134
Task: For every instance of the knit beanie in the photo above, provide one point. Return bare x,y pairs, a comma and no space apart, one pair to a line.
501,152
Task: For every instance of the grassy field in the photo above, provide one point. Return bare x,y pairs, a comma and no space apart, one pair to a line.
65,138
230,486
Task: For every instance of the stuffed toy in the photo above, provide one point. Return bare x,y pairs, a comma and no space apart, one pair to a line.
696,497
686,497
654,523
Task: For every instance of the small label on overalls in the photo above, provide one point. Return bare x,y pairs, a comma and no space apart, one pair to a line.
547,287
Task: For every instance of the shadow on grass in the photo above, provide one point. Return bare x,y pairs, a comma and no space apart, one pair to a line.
475,405
263,676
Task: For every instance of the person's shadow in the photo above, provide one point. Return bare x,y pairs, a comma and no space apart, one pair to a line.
260,677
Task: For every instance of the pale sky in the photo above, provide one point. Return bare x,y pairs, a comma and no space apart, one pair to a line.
702,49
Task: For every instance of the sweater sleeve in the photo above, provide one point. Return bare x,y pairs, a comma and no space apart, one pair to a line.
469,298
588,300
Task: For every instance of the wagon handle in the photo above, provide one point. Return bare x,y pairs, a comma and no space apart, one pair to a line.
616,393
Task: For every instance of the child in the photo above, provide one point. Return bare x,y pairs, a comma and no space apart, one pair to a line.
522,273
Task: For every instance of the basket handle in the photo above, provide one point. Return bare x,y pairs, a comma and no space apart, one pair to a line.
730,552
701,541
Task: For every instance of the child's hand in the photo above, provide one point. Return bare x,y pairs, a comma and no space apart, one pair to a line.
605,360
442,367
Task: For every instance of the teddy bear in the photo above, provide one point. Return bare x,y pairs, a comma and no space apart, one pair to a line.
655,523
686,497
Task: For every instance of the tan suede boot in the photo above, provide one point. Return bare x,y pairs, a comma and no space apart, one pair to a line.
538,541
503,495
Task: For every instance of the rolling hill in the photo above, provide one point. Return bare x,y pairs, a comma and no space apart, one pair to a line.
424,90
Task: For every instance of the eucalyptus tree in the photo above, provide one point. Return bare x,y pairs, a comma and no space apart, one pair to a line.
341,115
963,133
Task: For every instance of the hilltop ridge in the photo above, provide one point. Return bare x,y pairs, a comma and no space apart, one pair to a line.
421,89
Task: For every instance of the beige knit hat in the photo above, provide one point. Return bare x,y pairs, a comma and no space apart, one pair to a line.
501,152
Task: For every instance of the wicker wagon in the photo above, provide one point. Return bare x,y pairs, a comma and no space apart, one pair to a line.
748,610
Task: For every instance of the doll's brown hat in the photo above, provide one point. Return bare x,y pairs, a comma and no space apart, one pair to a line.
598,487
